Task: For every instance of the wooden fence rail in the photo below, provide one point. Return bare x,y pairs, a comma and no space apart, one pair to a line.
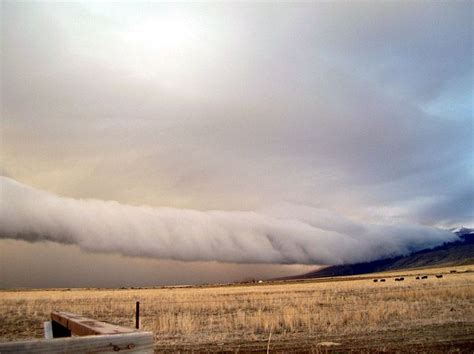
70,323
93,337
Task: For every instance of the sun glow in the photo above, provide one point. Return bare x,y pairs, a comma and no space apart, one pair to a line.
174,50
171,34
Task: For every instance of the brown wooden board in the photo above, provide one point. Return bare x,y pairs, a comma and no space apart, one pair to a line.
83,326
134,342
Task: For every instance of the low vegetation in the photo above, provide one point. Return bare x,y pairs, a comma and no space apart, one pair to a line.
295,313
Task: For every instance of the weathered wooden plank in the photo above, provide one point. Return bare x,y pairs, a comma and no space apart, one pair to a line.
60,317
83,326
135,342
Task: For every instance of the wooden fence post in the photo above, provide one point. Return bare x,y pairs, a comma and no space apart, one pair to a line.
137,315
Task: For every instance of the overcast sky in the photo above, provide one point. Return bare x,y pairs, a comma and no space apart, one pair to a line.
363,109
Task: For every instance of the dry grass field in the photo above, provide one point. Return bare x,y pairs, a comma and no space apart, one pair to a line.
352,313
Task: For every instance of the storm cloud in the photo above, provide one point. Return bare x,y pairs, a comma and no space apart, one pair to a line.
351,107
235,116
282,234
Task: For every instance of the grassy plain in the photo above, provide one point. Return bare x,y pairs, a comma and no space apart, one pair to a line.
351,313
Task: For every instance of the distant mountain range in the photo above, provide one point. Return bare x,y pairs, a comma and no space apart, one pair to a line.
459,252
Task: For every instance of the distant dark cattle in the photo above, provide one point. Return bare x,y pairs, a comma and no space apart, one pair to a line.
424,277
382,280
399,279
375,280
418,278
439,275
453,271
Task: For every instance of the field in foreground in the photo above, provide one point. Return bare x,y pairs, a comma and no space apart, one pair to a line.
353,313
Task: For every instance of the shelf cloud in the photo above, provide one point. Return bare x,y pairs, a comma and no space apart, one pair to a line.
280,132
281,234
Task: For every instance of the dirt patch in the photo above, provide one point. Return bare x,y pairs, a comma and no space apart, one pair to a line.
458,338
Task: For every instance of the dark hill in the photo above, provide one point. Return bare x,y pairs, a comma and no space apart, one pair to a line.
459,252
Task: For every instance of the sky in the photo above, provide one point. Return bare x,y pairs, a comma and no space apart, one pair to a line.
230,139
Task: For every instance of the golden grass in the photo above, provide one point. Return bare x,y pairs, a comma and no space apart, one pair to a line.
349,306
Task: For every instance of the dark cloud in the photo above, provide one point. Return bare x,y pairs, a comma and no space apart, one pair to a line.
281,234
363,109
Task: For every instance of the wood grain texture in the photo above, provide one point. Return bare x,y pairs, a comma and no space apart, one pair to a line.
135,342
83,326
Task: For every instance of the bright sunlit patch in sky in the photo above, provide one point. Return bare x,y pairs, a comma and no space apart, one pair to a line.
169,49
